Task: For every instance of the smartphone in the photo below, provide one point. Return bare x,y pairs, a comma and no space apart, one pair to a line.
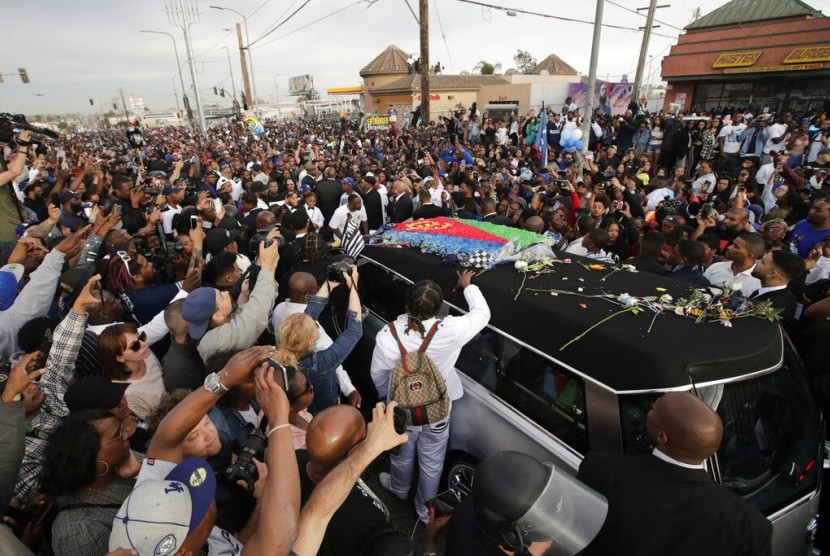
194,222
117,208
217,205
444,503
43,353
399,421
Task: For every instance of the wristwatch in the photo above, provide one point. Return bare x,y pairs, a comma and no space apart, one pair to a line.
213,384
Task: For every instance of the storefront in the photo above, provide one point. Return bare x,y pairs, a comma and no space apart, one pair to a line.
770,55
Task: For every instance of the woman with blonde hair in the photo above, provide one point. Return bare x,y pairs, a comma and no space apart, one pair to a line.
299,332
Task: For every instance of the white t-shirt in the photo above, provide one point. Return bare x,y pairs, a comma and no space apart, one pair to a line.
730,133
144,394
167,218
340,217
776,130
706,181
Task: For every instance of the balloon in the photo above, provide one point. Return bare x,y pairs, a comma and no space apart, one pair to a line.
569,143
579,144
566,134
576,134
561,141
254,125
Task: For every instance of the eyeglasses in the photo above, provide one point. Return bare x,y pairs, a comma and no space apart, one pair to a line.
309,389
136,345
126,260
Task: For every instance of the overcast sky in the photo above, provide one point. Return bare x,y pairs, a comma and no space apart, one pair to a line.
77,50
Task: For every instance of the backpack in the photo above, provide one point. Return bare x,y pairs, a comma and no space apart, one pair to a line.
417,384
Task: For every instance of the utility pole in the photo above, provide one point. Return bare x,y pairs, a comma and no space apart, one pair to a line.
230,69
638,80
424,61
592,83
185,100
124,104
245,79
175,94
182,16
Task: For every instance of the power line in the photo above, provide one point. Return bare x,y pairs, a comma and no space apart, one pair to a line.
643,15
283,22
443,36
279,17
312,23
568,19
217,43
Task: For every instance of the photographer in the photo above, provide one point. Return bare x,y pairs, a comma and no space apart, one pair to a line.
130,200
12,212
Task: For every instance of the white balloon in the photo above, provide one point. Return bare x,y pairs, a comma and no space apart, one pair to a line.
576,134
566,134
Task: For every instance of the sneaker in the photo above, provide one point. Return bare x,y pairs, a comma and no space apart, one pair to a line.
386,482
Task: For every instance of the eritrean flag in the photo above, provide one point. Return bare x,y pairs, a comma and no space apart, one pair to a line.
448,236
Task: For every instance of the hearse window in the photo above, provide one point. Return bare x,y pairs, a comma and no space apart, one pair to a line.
771,434
384,293
537,387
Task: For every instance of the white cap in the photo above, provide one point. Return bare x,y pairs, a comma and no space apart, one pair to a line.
154,519
14,268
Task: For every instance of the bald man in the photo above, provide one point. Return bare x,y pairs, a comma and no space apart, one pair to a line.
330,437
665,502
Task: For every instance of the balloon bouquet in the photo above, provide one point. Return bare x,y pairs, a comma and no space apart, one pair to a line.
571,138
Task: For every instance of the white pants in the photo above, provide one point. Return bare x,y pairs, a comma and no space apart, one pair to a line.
430,443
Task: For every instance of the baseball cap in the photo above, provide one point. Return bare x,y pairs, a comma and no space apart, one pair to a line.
824,150
198,307
158,516
169,190
217,239
94,392
66,195
350,181
256,167
258,187
10,276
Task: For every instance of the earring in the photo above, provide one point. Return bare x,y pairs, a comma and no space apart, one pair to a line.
107,470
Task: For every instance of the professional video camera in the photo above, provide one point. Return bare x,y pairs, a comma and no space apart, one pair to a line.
10,122
335,270
244,468
259,237
162,255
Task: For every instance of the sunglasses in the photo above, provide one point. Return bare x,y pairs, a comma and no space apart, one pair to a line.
136,345
309,389
126,260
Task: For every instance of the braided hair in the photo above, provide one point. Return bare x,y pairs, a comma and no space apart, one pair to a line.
423,302
120,274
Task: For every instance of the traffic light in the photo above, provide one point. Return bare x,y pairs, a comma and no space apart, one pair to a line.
115,106
24,75
215,92
222,93
91,103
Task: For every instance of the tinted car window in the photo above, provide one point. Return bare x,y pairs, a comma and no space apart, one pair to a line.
383,292
771,435
536,386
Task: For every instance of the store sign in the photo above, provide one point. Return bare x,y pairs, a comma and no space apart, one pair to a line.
377,122
808,54
431,97
737,59
760,69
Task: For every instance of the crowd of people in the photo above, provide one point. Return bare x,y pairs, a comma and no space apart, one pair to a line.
172,301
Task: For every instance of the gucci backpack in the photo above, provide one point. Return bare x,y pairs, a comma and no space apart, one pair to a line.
417,384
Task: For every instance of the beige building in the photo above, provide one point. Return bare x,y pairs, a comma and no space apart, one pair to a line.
389,83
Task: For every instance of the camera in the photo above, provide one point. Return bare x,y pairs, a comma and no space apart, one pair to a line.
262,236
335,270
244,469
10,122
163,255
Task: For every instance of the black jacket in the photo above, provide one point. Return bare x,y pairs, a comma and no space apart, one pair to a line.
658,508
401,210
496,218
785,300
328,197
428,211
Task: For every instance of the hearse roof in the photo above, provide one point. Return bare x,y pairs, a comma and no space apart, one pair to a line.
619,353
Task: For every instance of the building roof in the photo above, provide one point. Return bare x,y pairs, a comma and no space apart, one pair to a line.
412,82
392,60
743,11
554,65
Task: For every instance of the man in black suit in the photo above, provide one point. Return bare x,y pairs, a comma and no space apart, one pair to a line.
328,192
664,502
372,204
427,209
489,214
775,270
400,205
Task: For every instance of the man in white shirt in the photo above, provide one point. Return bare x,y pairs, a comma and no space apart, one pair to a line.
300,285
730,146
659,195
352,209
226,177
766,177
705,180
820,140
742,254
173,197
777,141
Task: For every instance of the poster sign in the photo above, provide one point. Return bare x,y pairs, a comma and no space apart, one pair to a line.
618,96
680,98
300,84
377,122
737,59
136,104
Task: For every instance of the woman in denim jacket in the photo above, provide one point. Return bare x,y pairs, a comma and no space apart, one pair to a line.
299,332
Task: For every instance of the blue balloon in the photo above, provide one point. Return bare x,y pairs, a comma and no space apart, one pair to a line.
566,134
579,144
569,143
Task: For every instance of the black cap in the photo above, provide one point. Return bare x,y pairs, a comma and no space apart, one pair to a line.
217,239
94,392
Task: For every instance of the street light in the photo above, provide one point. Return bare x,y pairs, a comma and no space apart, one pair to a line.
277,90
230,68
248,48
178,65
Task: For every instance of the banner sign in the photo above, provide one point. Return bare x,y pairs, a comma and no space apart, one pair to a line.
808,54
791,67
377,122
300,85
737,59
